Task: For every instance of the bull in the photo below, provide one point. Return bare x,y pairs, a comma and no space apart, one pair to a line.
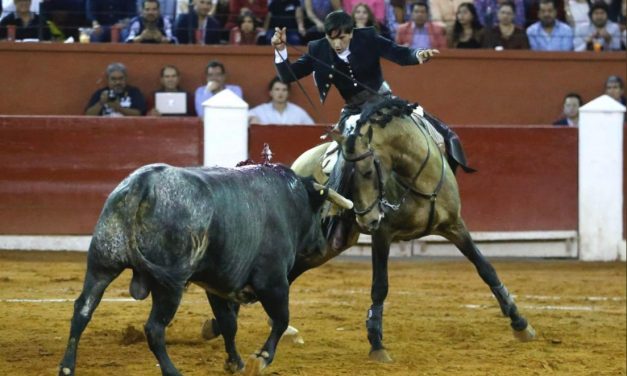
243,234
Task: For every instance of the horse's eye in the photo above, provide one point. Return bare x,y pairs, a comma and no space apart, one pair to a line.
367,174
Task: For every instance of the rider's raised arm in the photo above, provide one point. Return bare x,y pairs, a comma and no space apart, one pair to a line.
400,55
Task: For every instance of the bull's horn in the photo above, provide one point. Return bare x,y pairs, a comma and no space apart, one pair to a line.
335,197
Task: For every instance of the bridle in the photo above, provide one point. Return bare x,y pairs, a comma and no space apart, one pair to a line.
408,187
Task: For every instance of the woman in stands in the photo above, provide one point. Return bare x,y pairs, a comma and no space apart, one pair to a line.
467,30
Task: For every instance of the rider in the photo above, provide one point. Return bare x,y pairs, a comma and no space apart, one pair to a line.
355,54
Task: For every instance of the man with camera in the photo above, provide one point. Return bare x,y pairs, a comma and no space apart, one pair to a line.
118,98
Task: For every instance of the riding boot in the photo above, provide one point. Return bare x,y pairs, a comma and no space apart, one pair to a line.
454,149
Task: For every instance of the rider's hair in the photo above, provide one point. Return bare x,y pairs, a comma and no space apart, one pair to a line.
338,22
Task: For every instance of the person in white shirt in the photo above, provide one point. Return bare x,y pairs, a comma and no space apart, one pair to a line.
279,110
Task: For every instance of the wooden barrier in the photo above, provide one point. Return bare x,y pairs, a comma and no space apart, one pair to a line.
462,87
58,171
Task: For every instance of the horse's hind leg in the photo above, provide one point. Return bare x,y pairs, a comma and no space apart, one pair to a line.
96,281
459,235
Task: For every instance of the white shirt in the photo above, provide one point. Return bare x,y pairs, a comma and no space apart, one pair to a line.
292,114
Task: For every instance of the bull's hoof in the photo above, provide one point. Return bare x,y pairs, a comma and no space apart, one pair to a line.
526,335
380,356
65,371
233,366
255,364
208,331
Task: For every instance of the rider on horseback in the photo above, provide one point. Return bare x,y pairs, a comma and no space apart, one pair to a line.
349,59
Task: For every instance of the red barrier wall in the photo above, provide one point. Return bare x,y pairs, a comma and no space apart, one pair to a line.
461,87
57,172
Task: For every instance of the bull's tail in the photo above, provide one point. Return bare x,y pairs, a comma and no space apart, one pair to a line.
141,189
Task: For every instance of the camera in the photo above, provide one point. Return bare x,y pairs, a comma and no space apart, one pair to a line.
111,96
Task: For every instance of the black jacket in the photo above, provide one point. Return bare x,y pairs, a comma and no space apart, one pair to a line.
367,48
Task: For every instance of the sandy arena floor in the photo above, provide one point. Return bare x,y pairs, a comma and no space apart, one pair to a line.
439,320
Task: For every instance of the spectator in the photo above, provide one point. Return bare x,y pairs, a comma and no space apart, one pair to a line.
316,11
187,25
601,34
216,78
419,32
105,14
506,35
170,83
286,14
577,14
236,7
572,102
377,8
532,7
467,31
168,8
488,12
279,110
615,88
118,98
28,24
549,34
246,32
9,7
150,27
363,17
444,12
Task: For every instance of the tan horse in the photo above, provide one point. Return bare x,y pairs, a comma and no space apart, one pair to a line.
403,189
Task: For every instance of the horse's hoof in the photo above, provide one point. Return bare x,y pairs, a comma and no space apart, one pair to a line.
255,365
65,371
380,356
525,335
207,331
291,334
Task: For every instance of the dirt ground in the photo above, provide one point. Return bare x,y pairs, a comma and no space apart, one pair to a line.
439,319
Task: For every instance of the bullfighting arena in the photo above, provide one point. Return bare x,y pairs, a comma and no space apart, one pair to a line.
440,319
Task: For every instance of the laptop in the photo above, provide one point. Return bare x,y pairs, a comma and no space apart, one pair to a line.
171,103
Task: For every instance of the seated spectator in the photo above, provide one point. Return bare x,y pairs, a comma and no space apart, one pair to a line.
107,14
316,11
419,32
615,88
118,98
170,83
506,35
444,12
572,102
601,34
363,17
467,31
216,78
236,7
150,27
167,7
246,33
532,7
187,25
286,14
8,6
549,34
27,24
377,8
279,110
488,12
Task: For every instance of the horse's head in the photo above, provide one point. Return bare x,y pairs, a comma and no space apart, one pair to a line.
368,177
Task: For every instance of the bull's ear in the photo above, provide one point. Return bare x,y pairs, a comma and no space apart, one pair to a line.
335,197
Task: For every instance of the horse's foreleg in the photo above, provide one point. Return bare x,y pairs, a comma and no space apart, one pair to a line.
461,238
378,293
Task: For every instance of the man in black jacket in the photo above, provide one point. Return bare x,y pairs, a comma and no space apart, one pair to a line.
349,59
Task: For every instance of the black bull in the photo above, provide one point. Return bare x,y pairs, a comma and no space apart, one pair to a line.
243,234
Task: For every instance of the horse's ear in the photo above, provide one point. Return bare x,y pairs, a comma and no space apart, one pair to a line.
369,133
336,136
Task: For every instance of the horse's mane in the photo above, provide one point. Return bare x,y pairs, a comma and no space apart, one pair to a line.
381,113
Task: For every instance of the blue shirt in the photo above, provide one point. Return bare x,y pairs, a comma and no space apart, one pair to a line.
560,39
202,95
421,38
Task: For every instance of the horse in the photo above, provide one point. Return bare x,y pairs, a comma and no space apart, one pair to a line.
402,188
